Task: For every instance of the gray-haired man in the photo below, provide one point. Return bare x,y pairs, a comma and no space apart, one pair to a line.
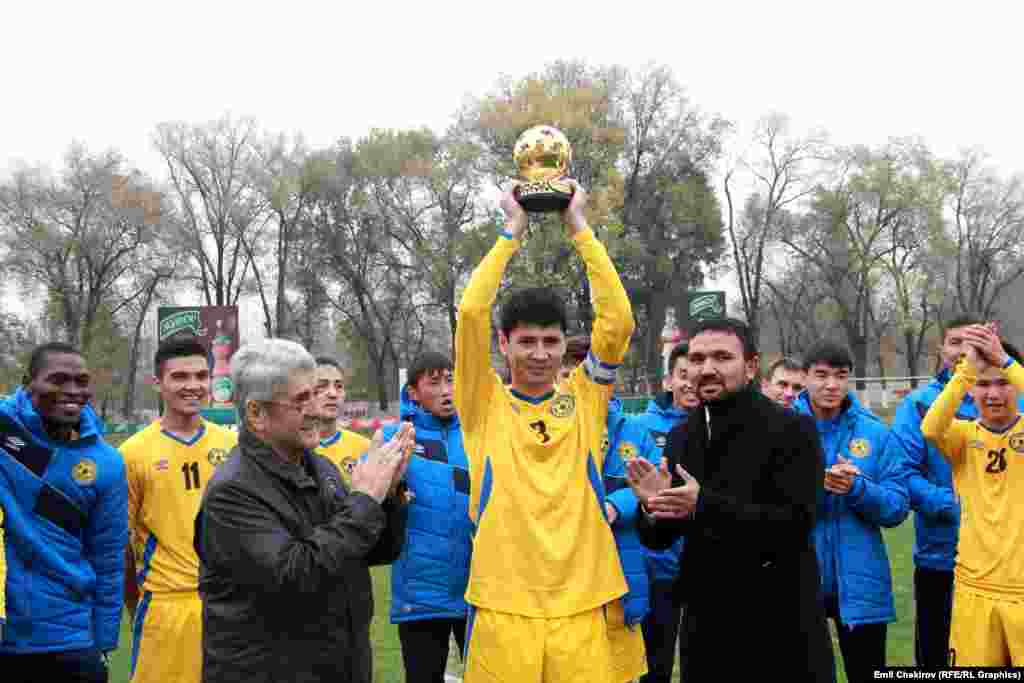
284,544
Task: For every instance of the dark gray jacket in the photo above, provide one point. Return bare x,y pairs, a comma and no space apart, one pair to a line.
284,573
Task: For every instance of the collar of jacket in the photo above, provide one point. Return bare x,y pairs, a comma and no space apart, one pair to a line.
25,412
261,452
663,406
850,407
412,411
733,409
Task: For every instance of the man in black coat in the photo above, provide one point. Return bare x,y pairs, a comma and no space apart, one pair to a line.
284,545
740,481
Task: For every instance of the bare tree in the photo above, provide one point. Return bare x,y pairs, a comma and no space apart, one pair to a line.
210,167
782,168
80,237
988,233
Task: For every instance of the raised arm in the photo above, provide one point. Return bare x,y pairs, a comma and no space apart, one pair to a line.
475,380
938,425
613,323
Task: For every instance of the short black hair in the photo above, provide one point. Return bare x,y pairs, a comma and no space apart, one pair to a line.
830,353
732,326
178,347
961,320
40,354
786,363
427,363
678,351
1012,351
541,306
327,360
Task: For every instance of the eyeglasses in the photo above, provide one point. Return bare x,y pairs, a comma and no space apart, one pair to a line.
300,404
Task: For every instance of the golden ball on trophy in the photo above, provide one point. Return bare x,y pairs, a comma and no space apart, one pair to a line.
542,154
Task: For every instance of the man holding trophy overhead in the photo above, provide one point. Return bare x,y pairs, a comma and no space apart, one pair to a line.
544,565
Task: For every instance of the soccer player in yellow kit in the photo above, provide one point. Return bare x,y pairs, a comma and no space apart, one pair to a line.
545,566
340,446
987,459
168,465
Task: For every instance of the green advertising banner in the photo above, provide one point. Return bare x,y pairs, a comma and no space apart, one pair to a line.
703,306
217,329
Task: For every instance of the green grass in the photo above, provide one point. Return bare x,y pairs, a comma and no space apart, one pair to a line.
388,657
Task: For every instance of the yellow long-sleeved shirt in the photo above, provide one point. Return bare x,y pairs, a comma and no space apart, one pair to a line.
542,547
988,474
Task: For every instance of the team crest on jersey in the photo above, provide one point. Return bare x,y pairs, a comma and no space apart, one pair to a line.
1017,442
627,451
860,448
563,405
216,456
660,439
332,485
348,464
977,443
162,464
84,472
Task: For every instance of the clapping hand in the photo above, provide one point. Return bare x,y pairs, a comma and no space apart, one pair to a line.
646,480
678,502
378,474
839,478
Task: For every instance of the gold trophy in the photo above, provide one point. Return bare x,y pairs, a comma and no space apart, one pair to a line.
542,155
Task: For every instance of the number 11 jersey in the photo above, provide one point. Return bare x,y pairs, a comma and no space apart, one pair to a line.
166,479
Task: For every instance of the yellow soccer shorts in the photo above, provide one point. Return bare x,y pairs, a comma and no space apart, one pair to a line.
986,629
629,658
167,638
510,648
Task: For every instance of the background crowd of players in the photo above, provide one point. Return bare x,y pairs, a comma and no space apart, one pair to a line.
952,455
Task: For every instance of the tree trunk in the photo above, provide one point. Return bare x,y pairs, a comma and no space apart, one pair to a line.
859,347
653,361
129,400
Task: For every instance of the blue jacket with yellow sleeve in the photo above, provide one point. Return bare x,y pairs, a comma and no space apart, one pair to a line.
66,530
428,580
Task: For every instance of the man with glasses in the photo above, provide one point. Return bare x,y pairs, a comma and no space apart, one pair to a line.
284,543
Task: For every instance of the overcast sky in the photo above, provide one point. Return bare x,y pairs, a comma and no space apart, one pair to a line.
106,73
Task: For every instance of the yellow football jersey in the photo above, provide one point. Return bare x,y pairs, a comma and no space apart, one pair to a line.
543,547
988,474
344,449
166,480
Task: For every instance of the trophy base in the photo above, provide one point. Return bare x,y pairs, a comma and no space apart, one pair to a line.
544,197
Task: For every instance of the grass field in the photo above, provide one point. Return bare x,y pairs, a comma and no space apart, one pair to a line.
388,658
